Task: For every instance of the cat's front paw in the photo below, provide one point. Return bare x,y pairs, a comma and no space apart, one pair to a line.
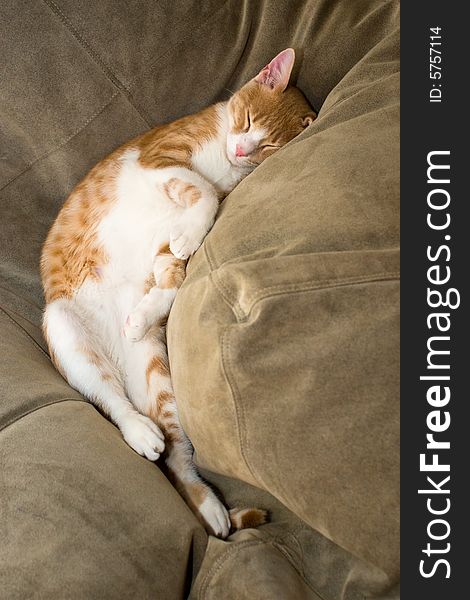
136,326
143,436
184,243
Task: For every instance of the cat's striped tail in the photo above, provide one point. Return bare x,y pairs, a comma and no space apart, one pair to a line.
242,518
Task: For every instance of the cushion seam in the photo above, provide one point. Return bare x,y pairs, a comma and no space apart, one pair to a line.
30,339
14,313
95,56
279,545
218,285
150,66
238,406
286,288
279,290
126,89
224,293
64,142
230,551
17,296
225,347
33,410
23,332
220,562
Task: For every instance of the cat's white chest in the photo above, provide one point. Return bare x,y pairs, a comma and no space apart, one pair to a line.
139,221
211,162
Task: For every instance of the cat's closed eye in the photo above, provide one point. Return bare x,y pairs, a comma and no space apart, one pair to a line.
248,121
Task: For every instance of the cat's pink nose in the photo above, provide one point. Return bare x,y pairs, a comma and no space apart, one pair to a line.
239,151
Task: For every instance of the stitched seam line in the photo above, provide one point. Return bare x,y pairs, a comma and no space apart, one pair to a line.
95,56
282,549
225,343
279,543
289,551
277,290
360,90
149,66
263,294
15,295
235,550
225,364
106,70
33,410
273,290
26,335
238,406
64,143
23,332
224,293
219,563
83,42
217,283
208,254
109,75
352,97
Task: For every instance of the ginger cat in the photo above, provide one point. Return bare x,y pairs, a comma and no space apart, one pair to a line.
116,255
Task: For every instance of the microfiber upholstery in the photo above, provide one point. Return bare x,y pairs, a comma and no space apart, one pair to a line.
283,340
81,516
291,313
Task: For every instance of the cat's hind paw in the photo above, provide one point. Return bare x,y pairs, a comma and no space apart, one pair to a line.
143,436
215,516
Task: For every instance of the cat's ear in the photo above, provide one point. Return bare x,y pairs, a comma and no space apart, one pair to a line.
308,119
276,74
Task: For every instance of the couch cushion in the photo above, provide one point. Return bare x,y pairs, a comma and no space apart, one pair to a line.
81,515
78,82
284,559
284,338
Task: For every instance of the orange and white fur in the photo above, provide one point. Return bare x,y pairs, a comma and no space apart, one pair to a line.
116,255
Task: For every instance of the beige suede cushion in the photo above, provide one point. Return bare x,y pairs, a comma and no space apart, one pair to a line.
81,515
284,337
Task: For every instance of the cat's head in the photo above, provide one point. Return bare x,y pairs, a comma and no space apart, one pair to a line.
266,113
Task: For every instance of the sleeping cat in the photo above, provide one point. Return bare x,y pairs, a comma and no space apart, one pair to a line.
116,255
